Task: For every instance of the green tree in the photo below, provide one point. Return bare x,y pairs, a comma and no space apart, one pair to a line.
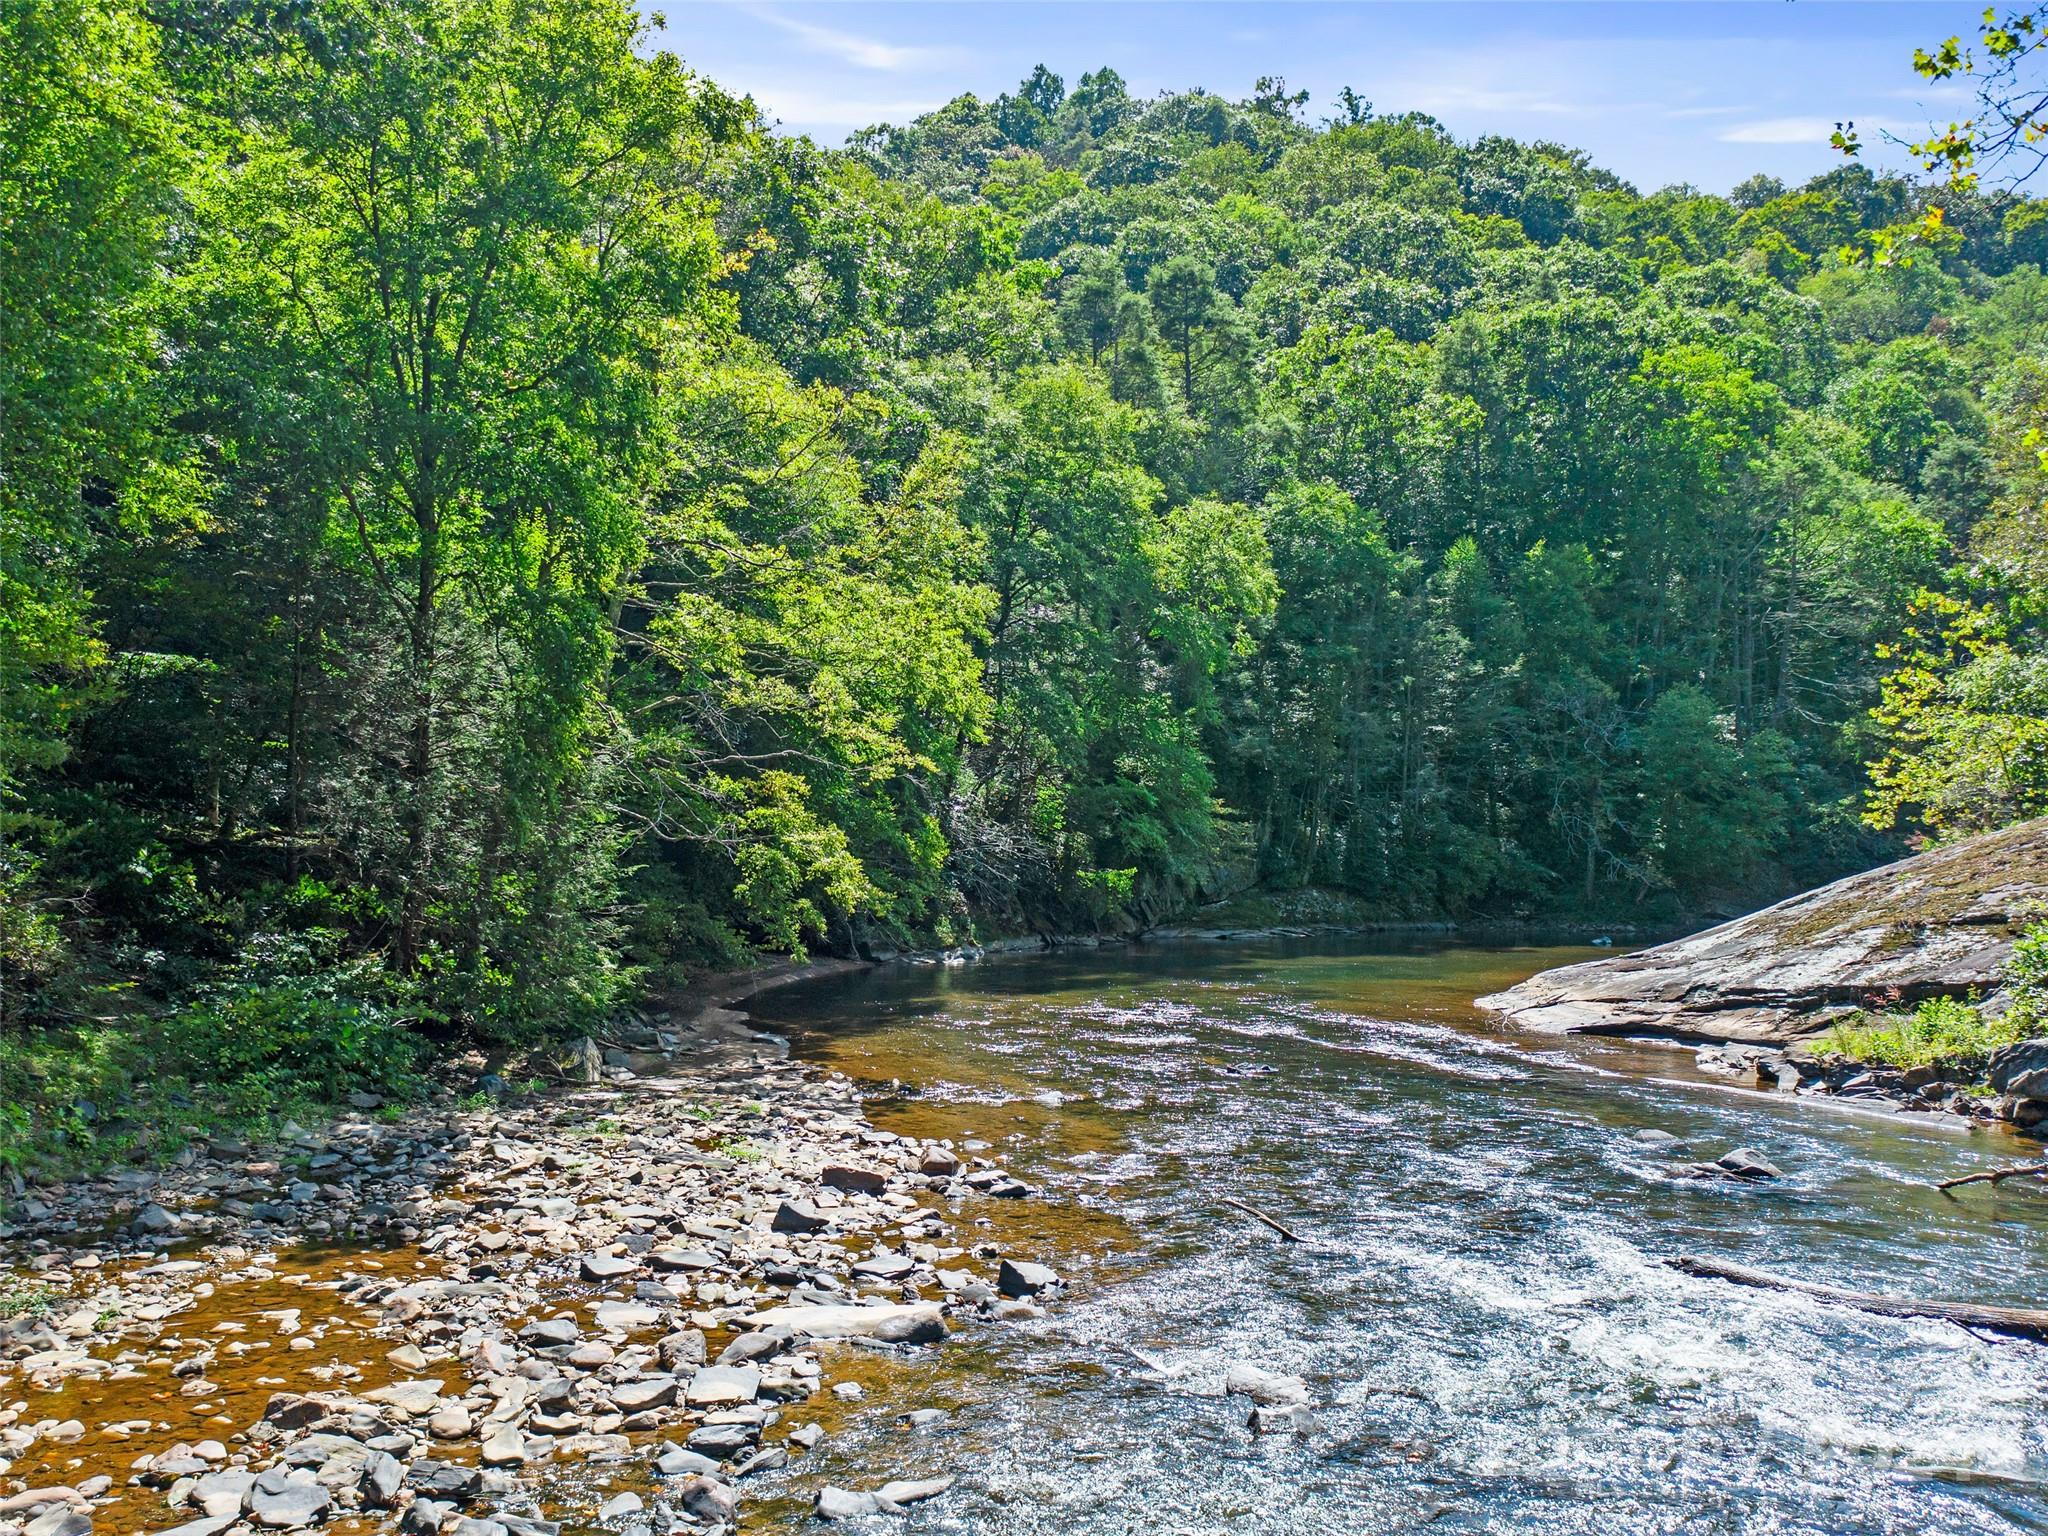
465,230
88,165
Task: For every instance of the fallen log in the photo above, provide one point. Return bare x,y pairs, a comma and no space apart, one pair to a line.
2020,1322
1259,1215
1997,1175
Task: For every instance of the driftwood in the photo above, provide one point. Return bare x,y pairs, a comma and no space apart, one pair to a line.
1997,1175
2022,1322
1259,1215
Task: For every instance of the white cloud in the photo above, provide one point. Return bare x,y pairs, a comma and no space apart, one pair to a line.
1785,130
1449,100
806,109
851,48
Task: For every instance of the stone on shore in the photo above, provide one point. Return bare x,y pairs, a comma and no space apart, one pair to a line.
799,1217
282,1501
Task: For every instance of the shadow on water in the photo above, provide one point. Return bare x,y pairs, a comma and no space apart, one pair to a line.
1481,1309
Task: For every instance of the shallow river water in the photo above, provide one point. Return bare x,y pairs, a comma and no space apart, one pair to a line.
1491,1338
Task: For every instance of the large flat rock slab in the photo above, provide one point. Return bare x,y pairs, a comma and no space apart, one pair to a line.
1939,924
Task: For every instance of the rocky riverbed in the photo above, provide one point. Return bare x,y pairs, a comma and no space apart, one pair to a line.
615,1300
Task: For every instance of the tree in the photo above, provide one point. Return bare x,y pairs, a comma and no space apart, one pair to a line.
466,228
1182,292
1091,305
87,171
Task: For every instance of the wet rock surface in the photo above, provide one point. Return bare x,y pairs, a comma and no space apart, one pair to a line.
608,1277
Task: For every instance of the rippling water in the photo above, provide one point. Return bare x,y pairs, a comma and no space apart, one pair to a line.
1481,1310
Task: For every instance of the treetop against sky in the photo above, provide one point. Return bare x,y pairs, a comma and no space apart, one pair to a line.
1658,93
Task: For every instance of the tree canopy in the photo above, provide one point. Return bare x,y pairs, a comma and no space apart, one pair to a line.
494,528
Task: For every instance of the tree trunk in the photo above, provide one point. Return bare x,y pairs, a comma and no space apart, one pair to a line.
419,767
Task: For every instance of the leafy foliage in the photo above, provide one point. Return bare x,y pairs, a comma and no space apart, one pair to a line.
1942,1031
485,510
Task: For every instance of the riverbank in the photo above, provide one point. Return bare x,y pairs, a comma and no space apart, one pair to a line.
655,1278
1921,985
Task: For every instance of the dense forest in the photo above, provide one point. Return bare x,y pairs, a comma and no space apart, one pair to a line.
490,527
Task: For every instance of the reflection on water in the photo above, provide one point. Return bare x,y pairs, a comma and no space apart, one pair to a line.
1481,1311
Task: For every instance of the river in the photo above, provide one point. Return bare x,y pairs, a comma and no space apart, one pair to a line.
1481,1310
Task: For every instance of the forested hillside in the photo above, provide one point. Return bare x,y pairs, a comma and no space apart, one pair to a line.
488,525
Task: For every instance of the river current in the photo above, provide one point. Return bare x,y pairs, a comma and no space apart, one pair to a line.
1491,1337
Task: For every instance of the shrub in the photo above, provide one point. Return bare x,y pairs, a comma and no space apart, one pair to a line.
1942,1031
283,1031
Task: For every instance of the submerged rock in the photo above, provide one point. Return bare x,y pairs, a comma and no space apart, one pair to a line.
1264,1387
843,1504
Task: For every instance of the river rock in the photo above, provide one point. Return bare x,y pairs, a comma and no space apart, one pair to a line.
625,1316
605,1266
1018,1277
799,1217
2020,1069
899,1323
895,1495
717,1386
709,1501
1940,924
293,1410
408,1397
620,1504
382,1477
442,1480
223,1492
504,1446
753,1346
1264,1387
860,1181
682,1260
1747,1163
722,1442
886,1266
1661,1143
283,1501
843,1504
647,1392
60,1520
674,1461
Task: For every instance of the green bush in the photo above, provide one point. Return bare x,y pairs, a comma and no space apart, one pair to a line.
263,1046
1942,1031
2027,974
285,1030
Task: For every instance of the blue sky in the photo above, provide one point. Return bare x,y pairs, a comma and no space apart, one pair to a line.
1657,92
